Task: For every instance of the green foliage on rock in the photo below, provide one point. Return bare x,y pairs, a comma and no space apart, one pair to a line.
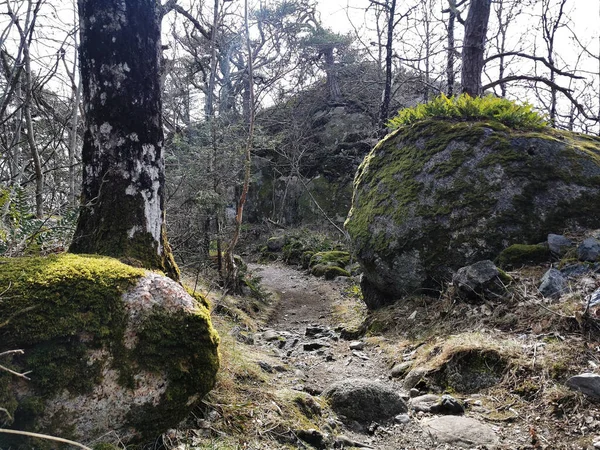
521,254
465,107
62,309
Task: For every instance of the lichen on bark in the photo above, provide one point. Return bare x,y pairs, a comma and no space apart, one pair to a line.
122,205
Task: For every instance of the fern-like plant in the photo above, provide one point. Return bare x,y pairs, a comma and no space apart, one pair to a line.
465,107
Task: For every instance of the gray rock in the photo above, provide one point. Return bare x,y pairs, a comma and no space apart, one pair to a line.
588,383
449,405
271,335
400,369
356,345
364,400
553,284
578,269
414,377
430,201
558,244
402,418
276,243
463,432
478,280
430,403
313,437
589,250
424,403
93,401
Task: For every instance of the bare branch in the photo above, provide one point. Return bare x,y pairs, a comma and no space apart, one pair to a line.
566,92
534,58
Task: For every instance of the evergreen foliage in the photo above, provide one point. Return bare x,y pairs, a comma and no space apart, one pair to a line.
465,107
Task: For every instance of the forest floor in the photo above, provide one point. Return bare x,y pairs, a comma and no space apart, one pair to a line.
506,363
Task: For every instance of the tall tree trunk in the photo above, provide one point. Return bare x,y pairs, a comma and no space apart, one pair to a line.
384,110
333,86
122,210
450,79
231,273
474,46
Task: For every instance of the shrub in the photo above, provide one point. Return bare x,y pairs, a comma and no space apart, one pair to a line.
465,107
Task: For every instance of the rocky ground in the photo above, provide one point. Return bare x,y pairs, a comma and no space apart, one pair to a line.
310,368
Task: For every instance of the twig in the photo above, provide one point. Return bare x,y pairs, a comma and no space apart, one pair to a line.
17,374
44,436
12,352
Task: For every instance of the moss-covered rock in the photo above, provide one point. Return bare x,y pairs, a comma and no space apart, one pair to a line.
438,195
331,258
518,255
329,272
111,348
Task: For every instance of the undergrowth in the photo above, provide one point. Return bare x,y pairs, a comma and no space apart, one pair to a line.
465,107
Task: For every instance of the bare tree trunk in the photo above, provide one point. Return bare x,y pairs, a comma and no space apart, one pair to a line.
122,210
474,46
73,144
231,278
384,111
450,78
333,87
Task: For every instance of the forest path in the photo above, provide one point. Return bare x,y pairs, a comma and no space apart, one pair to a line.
301,331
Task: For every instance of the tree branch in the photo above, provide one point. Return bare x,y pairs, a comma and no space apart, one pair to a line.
534,58
566,92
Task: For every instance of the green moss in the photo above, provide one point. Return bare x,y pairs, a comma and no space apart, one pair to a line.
59,308
518,255
450,175
331,258
184,347
329,272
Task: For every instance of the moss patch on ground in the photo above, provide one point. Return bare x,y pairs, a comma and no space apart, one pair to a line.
518,255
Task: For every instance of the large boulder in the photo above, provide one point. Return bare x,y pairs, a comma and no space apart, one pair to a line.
439,195
114,352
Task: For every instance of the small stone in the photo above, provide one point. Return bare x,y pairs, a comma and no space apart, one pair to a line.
271,335
400,369
589,250
315,345
477,280
312,437
414,392
424,403
587,383
553,284
558,244
356,345
449,405
313,331
276,243
461,431
402,418
266,366
414,377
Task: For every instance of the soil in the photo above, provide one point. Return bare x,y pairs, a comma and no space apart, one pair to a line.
305,304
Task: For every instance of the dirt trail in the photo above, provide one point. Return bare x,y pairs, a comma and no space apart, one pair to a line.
305,306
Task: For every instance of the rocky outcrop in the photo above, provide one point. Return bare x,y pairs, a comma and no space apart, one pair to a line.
115,352
436,196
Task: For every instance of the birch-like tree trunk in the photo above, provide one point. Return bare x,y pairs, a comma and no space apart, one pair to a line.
122,210
474,46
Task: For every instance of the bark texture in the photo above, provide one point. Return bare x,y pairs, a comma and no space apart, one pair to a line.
474,46
122,205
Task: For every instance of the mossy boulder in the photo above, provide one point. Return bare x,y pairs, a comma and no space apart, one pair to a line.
332,258
518,255
113,350
439,195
